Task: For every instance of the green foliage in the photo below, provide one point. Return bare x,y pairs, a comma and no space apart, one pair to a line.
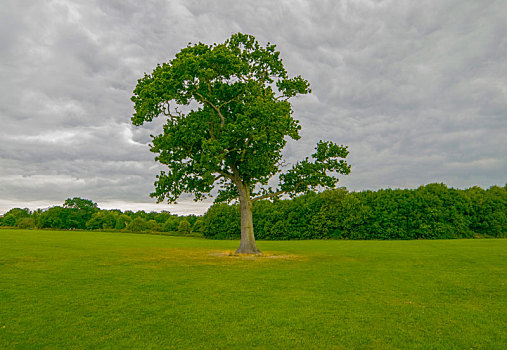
81,204
488,210
14,216
238,121
78,213
171,224
433,211
103,219
198,225
57,218
162,217
191,219
185,227
74,214
307,176
222,221
26,223
122,221
138,225
153,226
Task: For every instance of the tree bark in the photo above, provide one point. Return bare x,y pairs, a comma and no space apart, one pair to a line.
247,245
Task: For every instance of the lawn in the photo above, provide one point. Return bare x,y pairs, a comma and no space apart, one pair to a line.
85,290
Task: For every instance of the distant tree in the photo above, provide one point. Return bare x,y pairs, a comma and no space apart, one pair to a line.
191,219
80,210
55,217
138,225
162,217
36,216
228,120
26,223
184,227
198,225
153,226
103,219
80,203
13,216
171,224
122,221
222,221
144,215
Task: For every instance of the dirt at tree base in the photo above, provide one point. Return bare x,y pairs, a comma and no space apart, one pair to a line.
263,255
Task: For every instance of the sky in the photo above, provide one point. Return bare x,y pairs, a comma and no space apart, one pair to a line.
416,89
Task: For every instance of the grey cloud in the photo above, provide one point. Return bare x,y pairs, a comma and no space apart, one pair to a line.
416,89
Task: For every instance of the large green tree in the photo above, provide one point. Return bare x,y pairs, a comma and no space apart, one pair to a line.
228,119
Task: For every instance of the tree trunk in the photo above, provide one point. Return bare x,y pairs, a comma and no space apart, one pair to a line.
247,245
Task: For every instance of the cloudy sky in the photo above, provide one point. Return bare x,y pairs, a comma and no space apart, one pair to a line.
416,89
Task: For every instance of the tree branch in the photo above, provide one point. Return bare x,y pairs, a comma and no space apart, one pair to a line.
164,107
225,174
227,102
222,122
269,195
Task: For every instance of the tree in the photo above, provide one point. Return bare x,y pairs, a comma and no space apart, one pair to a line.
228,117
26,223
104,219
14,216
79,210
198,225
80,203
55,217
138,225
185,227
171,224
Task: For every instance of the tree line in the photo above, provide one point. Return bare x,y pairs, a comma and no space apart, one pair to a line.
433,211
83,214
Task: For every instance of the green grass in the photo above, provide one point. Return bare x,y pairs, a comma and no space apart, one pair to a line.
86,290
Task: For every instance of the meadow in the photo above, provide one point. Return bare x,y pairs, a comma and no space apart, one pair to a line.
85,290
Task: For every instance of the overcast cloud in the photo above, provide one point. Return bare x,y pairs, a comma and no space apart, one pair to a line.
417,89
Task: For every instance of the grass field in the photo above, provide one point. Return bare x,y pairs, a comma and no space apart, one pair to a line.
86,290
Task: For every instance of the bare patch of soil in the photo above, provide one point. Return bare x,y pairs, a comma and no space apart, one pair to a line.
264,255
